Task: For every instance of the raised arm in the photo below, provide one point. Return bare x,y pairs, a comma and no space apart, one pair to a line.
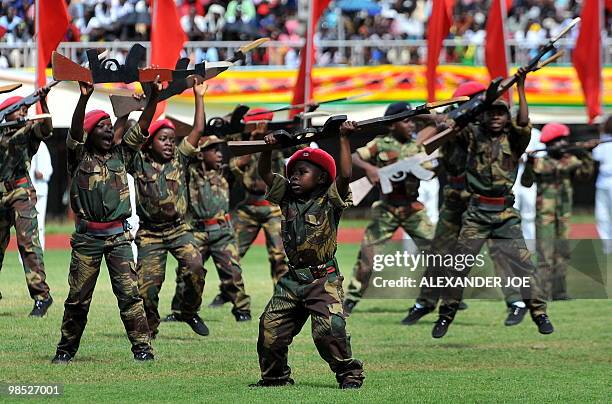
522,118
199,117
149,111
47,126
76,127
264,165
346,166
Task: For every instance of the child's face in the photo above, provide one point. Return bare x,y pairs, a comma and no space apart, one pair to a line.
102,136
19,114
305,177
495,119
212,157
403,129
163,144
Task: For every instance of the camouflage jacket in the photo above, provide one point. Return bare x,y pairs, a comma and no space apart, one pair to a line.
161,189
99,191
309,227
16,151
208,193
249,176
385,150
492,163
558,173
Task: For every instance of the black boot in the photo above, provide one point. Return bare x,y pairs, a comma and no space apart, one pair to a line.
170,318
242,316
544,324
144,356
350,384
61,359
441,327
415,314
218,301
41,307
349,305
273,383
197,324
515,315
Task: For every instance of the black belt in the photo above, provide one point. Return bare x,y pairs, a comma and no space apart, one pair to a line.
310,273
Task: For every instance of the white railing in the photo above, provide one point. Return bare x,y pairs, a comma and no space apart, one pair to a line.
331,52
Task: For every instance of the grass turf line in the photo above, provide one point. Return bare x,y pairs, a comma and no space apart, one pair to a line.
479,360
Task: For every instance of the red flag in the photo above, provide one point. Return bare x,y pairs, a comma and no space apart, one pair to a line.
437,29
318,6
167,38
51,25
495,46
587,56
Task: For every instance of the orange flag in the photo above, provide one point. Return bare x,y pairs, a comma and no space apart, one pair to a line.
438,27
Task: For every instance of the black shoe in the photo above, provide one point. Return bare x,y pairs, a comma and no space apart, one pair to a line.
61,359
462,306
144,356
197,325
242,316
515,315
170,318
415,314
273,383
544,324
41,307
440,327
350,385
349,305
218,301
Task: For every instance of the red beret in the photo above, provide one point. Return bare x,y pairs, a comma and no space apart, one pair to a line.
316,156
552,131
92,118
258,114
10,101
159,124
469,88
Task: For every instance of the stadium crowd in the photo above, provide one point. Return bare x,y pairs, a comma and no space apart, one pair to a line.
529,21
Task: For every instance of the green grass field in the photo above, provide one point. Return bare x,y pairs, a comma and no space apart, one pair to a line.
479,360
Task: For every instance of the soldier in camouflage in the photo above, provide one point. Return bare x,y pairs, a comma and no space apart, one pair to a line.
553,173
311,202
18,198
494,148
100,199
456,198
159,172
255,212
212,227
400,208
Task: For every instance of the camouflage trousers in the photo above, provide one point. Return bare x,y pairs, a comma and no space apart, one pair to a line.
18,208
552,245
285,315
504,228
87,253
221,246
248,220
445,238
385,220
153,249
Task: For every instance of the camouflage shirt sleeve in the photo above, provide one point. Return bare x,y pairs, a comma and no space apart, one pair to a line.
235,168
278,189
185,152
132,141
369,151
337,200
519,137
74,152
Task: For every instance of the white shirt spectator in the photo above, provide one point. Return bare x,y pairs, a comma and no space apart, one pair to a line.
41,170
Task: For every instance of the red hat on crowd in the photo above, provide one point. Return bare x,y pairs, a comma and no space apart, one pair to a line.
469,88
258,114
318,157
159,124
92,118
552,131
10,101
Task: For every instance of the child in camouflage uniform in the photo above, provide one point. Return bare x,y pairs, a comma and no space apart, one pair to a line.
312,200
159,172
255,212
494,148
553,174
399,208
100,199
212,227
18,198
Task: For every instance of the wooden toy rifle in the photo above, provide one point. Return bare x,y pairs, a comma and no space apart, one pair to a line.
26,101
9,87
6,127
